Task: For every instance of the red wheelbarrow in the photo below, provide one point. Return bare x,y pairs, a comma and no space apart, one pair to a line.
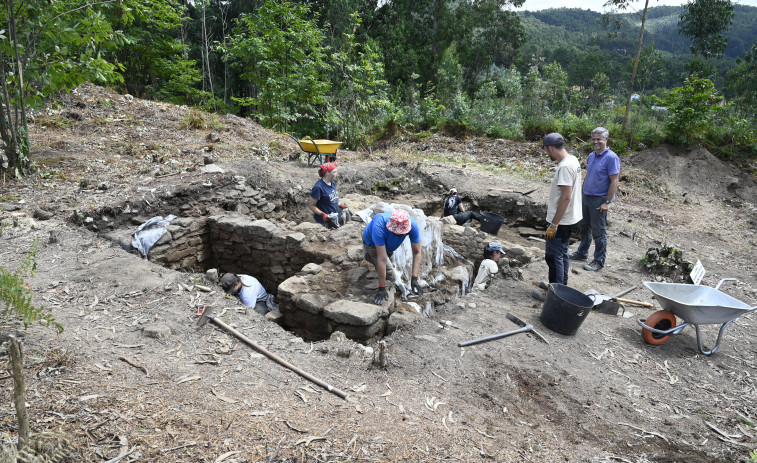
696,305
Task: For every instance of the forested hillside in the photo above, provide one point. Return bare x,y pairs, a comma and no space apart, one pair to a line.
359,70
580,39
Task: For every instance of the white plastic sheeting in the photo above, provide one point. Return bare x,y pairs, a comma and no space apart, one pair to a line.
432,247
149,233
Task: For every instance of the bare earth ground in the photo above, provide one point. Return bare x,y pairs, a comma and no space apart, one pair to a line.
202,396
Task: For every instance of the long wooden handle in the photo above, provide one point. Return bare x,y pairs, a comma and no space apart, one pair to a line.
632,302
278,359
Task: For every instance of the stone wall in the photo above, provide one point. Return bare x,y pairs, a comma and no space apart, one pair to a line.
186,245
259,248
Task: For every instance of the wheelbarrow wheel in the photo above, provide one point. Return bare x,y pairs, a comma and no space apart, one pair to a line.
660,320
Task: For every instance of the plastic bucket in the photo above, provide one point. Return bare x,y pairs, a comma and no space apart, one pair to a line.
490,222
565,309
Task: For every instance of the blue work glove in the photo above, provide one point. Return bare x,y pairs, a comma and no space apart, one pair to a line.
381,296
415,286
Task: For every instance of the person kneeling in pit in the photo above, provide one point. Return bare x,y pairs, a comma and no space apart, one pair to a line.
381,237
452,204
324,199
489,267
249,291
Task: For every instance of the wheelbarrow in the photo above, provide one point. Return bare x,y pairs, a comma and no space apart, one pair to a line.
696,305
318,151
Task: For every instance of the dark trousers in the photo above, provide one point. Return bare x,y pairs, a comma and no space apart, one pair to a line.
462,217
556,255
593,226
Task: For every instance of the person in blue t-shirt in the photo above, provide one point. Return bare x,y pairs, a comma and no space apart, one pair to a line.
602,175
381,237
452,204
324,199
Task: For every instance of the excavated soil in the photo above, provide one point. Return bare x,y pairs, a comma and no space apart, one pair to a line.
197,394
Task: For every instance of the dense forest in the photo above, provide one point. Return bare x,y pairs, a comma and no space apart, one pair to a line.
357,70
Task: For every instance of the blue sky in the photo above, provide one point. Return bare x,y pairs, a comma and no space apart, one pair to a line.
597,5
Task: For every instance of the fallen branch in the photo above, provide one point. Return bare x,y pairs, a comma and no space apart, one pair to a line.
651,433
122,456
171,449
131,362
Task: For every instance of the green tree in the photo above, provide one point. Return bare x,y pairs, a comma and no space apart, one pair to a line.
47,47
154,58
280,55
742,80
692,109
360,94
705,22
16,296
623,4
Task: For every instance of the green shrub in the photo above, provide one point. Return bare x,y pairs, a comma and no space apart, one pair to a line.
16,296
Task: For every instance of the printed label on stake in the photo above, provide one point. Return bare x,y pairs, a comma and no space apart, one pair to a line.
697,273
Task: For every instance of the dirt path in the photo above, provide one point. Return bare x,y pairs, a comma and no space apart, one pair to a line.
197,394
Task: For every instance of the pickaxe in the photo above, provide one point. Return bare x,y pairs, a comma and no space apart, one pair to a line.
526,327
209,315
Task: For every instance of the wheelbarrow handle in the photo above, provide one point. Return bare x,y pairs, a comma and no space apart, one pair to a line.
724,280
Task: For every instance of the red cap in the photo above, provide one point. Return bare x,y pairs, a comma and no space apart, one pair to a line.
328,167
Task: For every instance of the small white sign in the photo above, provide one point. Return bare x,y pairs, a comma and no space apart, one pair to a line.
697,273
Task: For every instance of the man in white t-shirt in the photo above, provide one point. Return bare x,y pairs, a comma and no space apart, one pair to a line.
563,207
249,291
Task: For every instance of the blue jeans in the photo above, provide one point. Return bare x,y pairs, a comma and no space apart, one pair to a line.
594,222
556,255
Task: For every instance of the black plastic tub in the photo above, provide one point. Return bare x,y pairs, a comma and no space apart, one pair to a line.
490,222
565,309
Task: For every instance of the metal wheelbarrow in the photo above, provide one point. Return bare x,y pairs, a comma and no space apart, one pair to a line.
696,305
318,151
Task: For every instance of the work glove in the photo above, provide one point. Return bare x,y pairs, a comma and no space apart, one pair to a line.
334,218
325,217
342,205
551,230
415,286
381,296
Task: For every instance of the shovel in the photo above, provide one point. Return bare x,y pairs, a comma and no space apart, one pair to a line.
611,304
524,193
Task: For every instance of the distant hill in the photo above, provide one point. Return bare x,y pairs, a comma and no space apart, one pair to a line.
577,26
579,40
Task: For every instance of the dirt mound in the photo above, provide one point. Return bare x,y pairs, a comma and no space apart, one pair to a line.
696,170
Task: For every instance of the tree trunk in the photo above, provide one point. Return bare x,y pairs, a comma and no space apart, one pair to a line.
635,66
19,393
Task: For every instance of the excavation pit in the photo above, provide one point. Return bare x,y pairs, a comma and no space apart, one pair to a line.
320,278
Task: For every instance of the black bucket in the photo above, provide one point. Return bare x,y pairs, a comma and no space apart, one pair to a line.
490,222
565,309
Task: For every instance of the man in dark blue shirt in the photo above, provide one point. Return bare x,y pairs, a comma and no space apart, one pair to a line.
381,237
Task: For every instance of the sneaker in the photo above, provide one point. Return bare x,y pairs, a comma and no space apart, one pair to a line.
544,285
594,266
577,256
537,295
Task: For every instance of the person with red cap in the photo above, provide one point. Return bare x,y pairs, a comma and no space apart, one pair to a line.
381,237
324,199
